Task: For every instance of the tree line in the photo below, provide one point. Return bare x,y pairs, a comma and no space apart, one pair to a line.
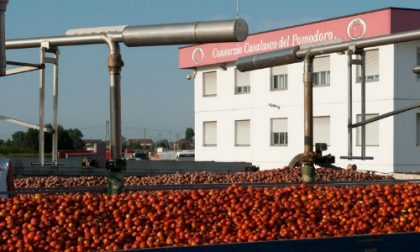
28,142
72,139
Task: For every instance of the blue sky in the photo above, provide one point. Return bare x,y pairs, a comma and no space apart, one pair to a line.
155,93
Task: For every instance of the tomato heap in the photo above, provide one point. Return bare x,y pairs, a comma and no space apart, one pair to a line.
81,222
266,176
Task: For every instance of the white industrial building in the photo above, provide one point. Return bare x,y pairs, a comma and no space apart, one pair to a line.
257,116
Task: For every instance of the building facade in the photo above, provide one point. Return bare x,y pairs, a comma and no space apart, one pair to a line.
257,116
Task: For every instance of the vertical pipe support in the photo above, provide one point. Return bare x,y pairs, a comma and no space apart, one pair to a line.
363,104
41,141
54,155
308,169
116,165
350,104
3,7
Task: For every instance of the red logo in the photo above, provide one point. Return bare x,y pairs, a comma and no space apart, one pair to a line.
356,29
197,55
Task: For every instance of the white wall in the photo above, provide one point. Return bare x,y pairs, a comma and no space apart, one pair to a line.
407,92
331,101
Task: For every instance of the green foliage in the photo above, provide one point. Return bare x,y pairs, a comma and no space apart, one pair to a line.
189,134
27,142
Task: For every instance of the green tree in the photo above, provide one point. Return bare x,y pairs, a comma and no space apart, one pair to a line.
189,134
76,136
30,141
163,143
18,139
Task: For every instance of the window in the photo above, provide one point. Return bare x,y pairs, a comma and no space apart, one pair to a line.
322,130
371,65
210,134
209,83
418,129
242,82
279,78
321,71
242,133
372,131
279,136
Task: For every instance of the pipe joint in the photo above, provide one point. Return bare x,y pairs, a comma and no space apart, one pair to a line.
115,62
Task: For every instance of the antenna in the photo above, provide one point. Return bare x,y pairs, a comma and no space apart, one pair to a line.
237,8
107,133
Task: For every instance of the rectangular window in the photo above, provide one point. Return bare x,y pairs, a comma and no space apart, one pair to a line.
418,129
321,71
372,131
279,136
210,84
242,133
322,130
279,78
210,134
371,65
418,62
242,82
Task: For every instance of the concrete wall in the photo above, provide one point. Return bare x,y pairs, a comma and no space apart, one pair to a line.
72,167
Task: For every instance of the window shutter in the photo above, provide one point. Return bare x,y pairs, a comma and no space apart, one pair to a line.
322,130
210,133
242,78
279,125
279,70
242,132
372,62
210,83
321,64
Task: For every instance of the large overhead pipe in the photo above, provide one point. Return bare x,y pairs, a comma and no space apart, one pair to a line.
263,60
296,54
217,31
3,6
167,34
185,33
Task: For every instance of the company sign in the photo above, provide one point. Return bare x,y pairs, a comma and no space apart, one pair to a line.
344,29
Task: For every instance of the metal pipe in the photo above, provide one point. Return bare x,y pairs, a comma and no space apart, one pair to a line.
308,104
363,104
281,57
3,7
166,34
349,104
185,33
263,60
41,107
55,110
388,114
363,43
114,65
59,41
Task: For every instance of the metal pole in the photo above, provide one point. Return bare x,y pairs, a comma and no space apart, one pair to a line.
41,107
116,165
350,104
363,105
55,110
3,6
388,114
308,169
